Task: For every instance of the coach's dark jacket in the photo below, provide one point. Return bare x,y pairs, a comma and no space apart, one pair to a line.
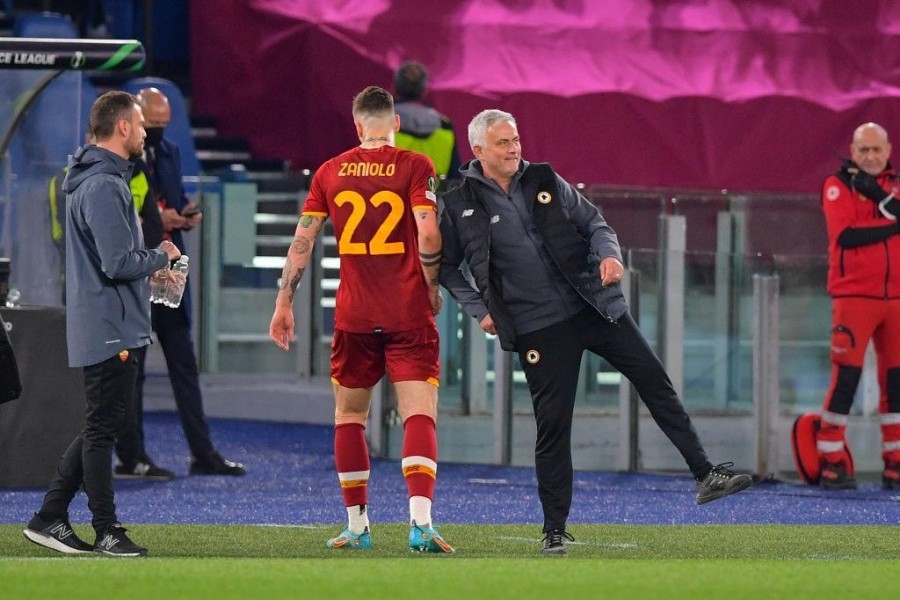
465,230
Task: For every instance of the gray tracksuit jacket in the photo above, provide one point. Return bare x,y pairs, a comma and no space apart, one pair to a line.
107,293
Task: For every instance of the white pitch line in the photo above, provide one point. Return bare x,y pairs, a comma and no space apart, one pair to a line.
61,557
291,526
537,541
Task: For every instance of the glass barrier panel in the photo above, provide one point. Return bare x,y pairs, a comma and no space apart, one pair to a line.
51,128
805,331
634,215
784,224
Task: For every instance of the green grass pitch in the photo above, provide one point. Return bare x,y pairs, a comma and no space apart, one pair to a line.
492,561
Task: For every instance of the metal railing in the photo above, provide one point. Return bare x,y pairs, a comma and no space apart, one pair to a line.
729,295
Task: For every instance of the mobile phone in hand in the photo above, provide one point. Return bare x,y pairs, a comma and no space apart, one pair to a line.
191,212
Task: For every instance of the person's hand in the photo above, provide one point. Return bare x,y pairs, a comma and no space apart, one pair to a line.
175,276
611,270
170,249
172,220
436,299
868,186
281,329
849,167
192,214
487,324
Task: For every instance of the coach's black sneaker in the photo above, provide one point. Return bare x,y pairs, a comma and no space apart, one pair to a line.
113,542
834,476
56,535
144,471
214,464
555,542
721,482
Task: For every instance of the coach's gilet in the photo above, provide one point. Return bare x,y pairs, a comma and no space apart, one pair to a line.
570,252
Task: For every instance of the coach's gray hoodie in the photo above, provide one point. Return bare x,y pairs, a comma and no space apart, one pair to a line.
107,293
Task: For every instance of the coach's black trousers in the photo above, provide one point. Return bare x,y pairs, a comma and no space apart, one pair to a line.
551,359
109,388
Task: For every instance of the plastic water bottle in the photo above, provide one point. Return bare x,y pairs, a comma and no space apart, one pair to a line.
177,281
158,282
13,298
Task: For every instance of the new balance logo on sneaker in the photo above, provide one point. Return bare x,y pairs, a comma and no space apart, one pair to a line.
56,535
107,543
61,531
114,542
721,482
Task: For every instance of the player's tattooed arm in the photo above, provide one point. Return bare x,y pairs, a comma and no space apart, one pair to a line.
290,278
306,220
312,225
429,238
301,245
430,259
298,256
431,268
308,230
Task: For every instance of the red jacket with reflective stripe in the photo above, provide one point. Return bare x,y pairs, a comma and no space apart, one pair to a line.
871,271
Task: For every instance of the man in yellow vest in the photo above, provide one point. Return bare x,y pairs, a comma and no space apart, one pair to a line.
422,128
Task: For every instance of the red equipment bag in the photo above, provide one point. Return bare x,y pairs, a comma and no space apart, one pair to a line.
803,444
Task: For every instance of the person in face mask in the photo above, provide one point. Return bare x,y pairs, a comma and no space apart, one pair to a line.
165,213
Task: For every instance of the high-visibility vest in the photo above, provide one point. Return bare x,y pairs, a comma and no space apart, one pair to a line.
140,187
438,146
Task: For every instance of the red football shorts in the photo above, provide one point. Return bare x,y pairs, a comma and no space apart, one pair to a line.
359,360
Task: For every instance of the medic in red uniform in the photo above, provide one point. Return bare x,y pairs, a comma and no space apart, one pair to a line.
864,283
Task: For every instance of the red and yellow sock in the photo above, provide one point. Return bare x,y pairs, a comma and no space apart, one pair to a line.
351,458
420,465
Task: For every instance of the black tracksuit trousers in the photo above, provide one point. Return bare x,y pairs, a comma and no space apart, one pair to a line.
551,359
109,387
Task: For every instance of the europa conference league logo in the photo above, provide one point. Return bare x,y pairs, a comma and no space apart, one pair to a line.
78,59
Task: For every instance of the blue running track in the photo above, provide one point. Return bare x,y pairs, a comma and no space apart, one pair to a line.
291,481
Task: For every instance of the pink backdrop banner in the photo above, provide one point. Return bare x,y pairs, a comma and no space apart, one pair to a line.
744,95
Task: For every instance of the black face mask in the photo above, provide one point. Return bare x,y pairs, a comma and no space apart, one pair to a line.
154,135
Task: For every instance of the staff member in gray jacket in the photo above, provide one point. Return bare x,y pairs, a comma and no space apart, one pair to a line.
546,269
107,318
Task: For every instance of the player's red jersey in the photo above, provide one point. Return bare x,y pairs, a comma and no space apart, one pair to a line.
370,194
